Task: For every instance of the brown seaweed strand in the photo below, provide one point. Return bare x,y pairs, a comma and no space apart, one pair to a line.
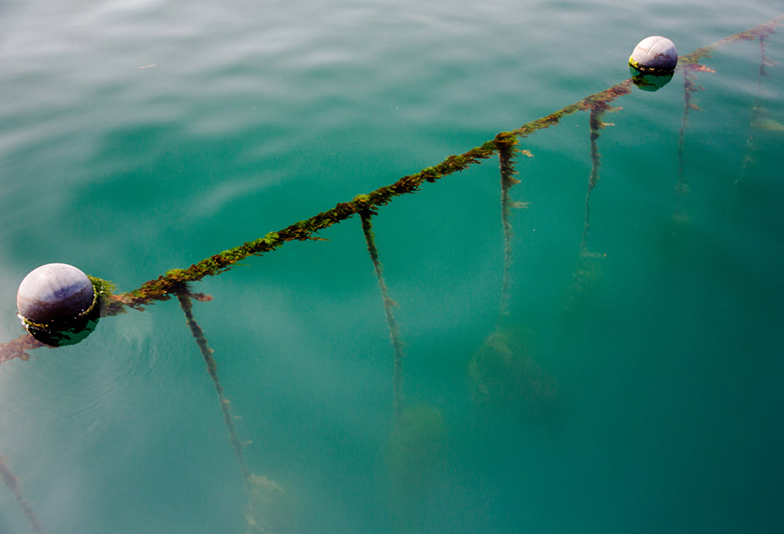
602,98
12,482
757,112
690,87
681,188
389,305
596,124
506,153
18,348
212,368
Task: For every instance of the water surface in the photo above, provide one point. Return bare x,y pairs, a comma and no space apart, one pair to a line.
140,136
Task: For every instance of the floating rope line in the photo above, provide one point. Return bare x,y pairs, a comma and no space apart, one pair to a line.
12,482
166,285
389,305
186,303
766,28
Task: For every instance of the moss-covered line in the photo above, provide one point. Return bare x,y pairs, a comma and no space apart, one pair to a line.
761,30
161,287
164,286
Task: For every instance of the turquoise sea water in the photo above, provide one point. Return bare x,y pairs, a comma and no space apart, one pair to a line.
642,395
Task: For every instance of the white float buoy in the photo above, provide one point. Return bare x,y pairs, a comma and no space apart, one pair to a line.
54,297
654,55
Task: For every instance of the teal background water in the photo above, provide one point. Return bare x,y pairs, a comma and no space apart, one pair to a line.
139,136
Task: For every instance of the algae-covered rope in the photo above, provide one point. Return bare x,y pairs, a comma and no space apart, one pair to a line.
164,287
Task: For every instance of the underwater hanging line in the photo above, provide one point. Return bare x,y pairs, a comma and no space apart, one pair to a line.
759,119
596,124
689,103
389,304
166,286
10,480
186,303
506,155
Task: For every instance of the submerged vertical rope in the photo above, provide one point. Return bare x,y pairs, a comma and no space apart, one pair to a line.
268,506
588,269
681,187
596,124
12,482
389,304
212,368
689,104
506,152
758,113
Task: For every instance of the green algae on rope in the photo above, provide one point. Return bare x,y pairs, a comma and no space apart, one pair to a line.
164,286
764,29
